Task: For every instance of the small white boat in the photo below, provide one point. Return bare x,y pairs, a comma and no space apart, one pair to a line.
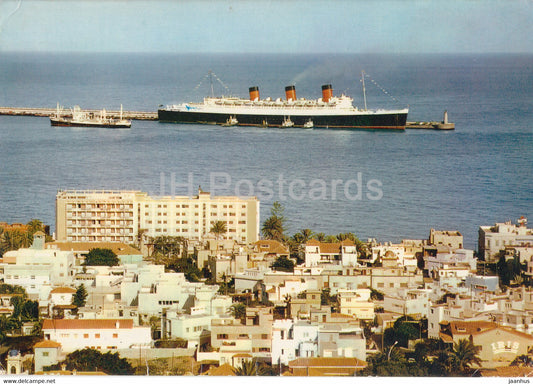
309,124
287,123
231,122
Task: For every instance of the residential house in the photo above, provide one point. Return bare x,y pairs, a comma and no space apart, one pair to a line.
413,302
125,252
493,239
356,303
252,338
445,241
36,267
105,335
292,339
46,353
341,340
342,253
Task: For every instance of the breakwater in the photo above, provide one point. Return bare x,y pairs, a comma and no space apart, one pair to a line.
47,112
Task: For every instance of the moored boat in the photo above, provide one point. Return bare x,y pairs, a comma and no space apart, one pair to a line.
76,117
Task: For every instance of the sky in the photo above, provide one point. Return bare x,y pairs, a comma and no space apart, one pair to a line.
275,26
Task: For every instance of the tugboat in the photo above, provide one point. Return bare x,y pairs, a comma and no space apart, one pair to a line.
231,122
287,123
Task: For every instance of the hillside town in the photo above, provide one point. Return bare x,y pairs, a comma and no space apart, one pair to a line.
133,284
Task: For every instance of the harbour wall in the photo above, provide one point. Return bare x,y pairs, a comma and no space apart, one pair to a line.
47,112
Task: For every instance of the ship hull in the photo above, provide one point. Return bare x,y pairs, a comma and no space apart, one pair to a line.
65,123
393,121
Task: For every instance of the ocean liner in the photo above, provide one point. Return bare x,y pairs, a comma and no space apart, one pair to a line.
79,118
329,111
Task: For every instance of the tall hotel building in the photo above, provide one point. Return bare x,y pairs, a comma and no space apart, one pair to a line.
121,215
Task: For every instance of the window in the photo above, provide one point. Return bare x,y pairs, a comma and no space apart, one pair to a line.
264,336
96,335
85,335
45,354
222,336
115,335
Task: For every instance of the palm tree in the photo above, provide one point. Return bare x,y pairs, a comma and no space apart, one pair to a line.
13,240
249,368
464,354
238,311
307,234
321,236
273,228
219,228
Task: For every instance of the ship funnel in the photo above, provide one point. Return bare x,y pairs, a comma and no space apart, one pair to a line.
290,92
254,93
327,93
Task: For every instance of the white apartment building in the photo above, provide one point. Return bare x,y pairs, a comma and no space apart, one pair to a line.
493,239
105,335
120,216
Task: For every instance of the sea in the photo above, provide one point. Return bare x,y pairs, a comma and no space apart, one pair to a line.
384,185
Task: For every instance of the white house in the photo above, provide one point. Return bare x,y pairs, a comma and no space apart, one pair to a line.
291,340
105,335
356,303
493,239
36,266
46,353
408,302
342,253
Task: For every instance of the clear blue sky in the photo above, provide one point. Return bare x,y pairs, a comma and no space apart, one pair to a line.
312,26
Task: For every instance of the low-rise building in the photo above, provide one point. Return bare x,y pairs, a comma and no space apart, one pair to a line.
35,267
499,345
493,239
413,302
341,253
104,335
445,241
356,303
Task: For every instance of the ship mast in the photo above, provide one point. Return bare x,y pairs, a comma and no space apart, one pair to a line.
364,90
211,83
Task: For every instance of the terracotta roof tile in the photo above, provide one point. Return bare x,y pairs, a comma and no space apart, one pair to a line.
63,290
86,323
118,248
47,344
331,248
223,370
327,362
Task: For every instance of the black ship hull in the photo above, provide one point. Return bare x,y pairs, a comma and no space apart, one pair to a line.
394,121
87,124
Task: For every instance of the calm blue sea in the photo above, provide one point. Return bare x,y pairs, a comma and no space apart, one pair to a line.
409,182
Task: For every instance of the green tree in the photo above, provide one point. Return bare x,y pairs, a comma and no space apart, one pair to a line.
321,236
12,289
238,311
464,354
101,256
90,360
282,263
219,228
274,226
376,295
80,297
11,240
249,368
